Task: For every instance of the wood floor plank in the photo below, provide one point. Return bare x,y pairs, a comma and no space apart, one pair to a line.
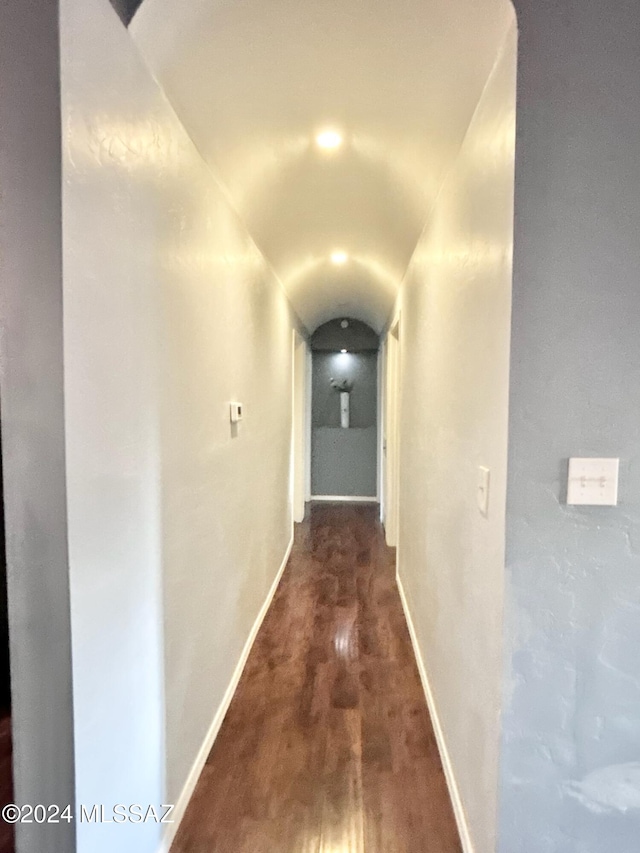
327,746
7,835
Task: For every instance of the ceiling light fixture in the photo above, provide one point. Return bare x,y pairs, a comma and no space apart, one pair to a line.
339,257
329,139
343,350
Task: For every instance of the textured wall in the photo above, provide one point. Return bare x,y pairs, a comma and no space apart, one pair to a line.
454,338
571,740
177,522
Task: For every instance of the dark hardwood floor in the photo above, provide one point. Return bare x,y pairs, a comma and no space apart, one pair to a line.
327,746
6,782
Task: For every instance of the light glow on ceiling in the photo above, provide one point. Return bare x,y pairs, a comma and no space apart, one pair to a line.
338,257
329,140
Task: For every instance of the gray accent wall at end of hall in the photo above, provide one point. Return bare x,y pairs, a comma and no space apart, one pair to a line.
344,461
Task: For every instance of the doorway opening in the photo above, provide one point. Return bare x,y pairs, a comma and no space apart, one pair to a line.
344,411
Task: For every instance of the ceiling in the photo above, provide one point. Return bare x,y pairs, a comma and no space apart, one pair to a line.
254,81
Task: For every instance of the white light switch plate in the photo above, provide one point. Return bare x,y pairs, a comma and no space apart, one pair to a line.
235,412
593,482
484,477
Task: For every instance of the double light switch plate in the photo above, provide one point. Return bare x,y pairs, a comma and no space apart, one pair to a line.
593,482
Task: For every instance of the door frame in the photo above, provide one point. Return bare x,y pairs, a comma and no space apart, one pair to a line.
299,381
390,440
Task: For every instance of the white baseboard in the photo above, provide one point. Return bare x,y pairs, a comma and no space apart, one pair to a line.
205,749
356,499
454,793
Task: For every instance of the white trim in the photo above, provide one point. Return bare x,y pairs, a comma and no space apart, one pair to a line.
308,404
205,749
380,428
298,474
356,499
454,793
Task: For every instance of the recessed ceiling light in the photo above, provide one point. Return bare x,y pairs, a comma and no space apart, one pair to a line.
329,139
339,257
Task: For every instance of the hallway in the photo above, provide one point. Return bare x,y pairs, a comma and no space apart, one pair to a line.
191,195
327,745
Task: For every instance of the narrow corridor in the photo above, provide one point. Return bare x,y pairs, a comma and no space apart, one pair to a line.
327,746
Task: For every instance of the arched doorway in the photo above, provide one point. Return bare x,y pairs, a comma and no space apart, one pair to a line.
344,411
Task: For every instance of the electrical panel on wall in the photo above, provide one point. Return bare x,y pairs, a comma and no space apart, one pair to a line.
593,482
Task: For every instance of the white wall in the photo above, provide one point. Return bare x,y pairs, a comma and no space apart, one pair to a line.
178,522
455,319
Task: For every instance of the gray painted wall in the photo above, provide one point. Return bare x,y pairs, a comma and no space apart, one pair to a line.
344,461
362,370
571,719
356,336
32,416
